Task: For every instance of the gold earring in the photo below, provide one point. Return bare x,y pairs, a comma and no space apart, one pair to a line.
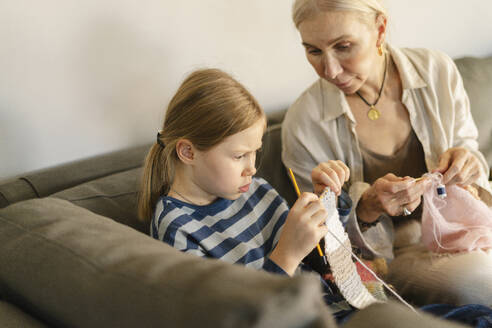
380,50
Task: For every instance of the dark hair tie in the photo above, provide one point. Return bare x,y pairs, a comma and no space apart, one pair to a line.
159,141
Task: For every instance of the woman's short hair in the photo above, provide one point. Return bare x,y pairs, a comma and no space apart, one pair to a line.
306,9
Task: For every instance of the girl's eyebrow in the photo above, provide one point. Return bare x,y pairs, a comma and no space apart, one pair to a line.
244,150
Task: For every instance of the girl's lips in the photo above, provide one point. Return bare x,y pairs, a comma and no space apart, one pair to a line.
244,188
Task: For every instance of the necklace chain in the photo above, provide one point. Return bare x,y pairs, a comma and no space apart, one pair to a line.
180,195
373,112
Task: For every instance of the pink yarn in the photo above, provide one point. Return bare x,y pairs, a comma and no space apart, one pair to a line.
457,223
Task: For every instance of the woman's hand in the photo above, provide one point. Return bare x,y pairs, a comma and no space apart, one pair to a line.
302,230
390,194
332,174
458,166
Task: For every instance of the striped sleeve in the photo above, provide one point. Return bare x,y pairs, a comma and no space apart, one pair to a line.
272,267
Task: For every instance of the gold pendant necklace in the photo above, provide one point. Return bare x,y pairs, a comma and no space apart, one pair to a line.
373,113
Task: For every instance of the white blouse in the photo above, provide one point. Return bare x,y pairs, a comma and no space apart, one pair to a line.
320,126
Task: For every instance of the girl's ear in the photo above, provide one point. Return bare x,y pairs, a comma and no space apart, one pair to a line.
381,21
185,151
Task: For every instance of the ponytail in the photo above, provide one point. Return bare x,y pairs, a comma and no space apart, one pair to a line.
157,178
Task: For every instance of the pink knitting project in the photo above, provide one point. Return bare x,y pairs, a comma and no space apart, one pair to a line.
457,223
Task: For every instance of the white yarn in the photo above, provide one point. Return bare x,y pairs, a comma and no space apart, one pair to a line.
344,270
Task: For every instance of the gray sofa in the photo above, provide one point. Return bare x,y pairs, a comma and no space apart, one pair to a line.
73,253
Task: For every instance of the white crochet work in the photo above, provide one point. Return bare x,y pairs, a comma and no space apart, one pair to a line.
342,267
338,252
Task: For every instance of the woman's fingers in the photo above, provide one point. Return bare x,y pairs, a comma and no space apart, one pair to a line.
391,184
453,174
459,166
412,205
394,193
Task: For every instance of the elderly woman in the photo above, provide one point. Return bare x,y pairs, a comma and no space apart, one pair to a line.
391,115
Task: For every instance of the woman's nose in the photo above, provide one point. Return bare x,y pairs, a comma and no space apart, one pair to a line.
332,67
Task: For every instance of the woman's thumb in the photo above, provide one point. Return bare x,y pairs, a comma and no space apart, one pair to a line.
443,163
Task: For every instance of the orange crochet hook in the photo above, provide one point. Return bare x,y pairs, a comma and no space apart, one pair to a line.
320,252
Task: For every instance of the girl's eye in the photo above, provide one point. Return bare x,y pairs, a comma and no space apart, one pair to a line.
239,156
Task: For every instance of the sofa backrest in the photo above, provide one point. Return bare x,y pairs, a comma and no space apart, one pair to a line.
46,182
477,79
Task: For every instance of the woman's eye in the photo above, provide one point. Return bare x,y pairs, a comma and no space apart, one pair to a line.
343,46
239,156
314,52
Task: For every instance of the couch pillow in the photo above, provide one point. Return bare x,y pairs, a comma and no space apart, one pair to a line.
477,79
73,268
271,167
12,317
114,196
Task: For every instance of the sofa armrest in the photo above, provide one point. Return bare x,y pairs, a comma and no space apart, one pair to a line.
13,317
73,268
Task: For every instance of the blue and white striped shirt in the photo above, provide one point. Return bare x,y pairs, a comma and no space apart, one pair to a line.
243,231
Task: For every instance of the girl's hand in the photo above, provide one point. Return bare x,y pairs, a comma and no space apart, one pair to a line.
458,166
390,194
302,230
332,174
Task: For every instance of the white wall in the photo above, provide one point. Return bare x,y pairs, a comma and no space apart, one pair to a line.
80,78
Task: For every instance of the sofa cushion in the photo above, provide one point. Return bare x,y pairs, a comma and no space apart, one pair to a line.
271,167
114,196
477,79
74,268
15,190
13,317
395,315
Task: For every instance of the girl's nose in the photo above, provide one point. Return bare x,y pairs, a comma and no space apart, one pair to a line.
250,170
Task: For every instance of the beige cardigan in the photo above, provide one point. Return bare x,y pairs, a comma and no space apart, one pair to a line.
320,126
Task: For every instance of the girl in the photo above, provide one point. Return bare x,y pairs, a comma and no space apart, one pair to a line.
198,189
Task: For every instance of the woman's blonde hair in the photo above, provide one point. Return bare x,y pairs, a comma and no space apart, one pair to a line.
209,106
306,9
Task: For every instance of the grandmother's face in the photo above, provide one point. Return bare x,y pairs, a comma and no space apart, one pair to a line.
342,48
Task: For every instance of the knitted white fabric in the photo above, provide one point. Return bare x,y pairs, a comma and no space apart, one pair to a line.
342,267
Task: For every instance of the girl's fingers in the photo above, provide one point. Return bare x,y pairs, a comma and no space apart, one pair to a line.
319,218
345,169
332,174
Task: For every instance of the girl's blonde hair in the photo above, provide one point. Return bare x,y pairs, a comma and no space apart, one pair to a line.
306,9
209,106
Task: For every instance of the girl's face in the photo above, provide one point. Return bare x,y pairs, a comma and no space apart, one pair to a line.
341,47
226,170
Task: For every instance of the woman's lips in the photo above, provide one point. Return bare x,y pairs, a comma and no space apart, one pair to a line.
343,85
